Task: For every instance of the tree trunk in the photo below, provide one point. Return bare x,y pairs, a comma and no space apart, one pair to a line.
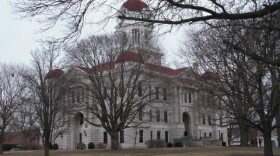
278,129
244,132
2,135
47,150
114,141
267,143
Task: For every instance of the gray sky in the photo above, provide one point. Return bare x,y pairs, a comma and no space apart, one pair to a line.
18,37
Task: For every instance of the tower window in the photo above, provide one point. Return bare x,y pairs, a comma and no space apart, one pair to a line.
135,36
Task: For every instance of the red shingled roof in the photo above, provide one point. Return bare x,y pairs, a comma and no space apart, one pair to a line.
56,73
129,56
165,70
209,75
134,5
134,57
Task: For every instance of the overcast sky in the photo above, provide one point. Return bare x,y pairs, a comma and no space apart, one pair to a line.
18,37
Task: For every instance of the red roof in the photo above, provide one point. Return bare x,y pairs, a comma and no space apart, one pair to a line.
208,75
56,73
165,70
134,5
129,56
134,57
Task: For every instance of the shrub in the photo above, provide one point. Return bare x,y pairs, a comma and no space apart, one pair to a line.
81,146
178,144
91,145
169,144
156,143
55,146
224,143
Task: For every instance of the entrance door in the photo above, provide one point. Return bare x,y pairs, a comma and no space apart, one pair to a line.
80,137
186,121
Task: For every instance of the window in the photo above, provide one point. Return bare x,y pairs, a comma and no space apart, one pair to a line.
135,36
221,120
151,133
105,137
157,93
158,135
140,136
151,116
140,114
190,97
165,117
82,94
203,119
73,97
204,134
210,134
185,97
166,136
121,91
139,90
164,94
105,95
81,117
122,136
78,96
158,116
209,119
150,93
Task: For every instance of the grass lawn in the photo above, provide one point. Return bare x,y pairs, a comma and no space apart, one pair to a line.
215,151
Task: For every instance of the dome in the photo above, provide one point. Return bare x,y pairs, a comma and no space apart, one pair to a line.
134,5
56,73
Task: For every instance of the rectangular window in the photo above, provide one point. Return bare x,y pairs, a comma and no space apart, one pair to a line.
164,94
151,116
222,136
105,137
204,134
209,119
157,93
158,135
190,97
158,116
185,97
139,90
151,133
150,93
82,94
165,117
140,114
140,136
73,97
122,136
105,95
166,136
221,120
203,119
78,96
210,134
121,91
135,35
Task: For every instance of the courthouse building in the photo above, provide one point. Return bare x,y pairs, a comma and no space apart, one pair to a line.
173,114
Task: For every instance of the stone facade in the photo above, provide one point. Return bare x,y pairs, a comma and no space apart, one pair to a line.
167,116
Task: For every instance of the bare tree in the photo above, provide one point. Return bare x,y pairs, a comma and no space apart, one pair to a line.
25,122
49,89
249,88
11,91
117,81
79,12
